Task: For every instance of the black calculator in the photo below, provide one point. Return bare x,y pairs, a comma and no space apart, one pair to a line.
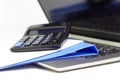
42,37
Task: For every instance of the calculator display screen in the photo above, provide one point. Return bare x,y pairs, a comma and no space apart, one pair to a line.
33,32
40,31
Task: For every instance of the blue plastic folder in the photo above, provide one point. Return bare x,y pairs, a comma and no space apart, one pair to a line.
78,50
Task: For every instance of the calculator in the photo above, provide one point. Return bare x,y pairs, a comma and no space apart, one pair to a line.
42,37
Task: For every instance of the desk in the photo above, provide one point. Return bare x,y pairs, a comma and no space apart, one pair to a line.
32,72
17,19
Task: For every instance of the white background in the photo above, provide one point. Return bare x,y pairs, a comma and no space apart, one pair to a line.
15,17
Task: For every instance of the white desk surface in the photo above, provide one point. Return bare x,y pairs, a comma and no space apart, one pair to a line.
16,16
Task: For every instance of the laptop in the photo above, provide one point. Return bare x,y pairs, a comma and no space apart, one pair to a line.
94,21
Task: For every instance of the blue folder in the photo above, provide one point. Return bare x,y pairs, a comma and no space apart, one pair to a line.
78,50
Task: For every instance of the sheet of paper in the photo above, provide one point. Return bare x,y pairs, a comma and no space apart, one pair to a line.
8,57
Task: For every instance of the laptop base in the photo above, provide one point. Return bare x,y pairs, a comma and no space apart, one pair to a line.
79,63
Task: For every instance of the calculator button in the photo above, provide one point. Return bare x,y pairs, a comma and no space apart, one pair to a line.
24,39
38,40
57,37
19,44
47,39
54,41
30,40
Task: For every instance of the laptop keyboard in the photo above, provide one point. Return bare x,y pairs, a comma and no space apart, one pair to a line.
105,50
105,21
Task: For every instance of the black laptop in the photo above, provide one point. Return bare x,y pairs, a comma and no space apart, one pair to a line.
95,21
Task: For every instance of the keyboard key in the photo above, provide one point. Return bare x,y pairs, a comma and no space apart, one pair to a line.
19,44
114,50
38,40
47,39
54,41
57,37
24,39
30,40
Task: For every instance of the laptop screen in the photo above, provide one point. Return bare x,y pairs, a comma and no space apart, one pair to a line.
63,10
